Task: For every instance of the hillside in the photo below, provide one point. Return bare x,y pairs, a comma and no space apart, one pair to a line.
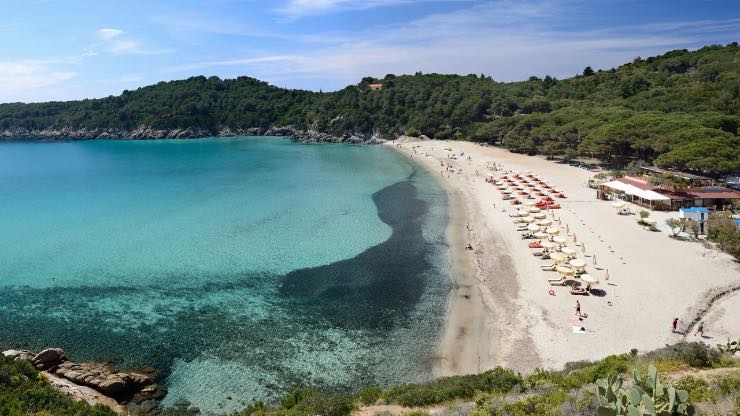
681,109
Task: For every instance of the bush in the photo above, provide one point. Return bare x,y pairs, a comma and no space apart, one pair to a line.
451,388
693,354
369,395
541,405
582,373
413,132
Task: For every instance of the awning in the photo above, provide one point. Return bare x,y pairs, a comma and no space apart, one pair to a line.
635,191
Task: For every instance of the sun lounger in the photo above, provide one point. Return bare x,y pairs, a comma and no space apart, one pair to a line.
548,267
583,292
557,282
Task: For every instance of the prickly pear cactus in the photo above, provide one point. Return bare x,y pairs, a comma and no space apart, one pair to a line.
648,396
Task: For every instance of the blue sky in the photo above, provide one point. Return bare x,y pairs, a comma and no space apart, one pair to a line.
71,49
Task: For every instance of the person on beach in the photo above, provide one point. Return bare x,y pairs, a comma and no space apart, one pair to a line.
578,308
674,325
700,330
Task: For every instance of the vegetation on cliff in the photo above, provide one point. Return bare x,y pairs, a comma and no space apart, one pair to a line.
681,109
24,391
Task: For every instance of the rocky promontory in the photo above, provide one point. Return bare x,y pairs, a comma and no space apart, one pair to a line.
95,383
146,132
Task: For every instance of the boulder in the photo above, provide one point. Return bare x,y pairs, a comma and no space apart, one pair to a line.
48,358
102,379
24,355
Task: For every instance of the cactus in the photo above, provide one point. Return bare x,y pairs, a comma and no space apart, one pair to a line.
648,396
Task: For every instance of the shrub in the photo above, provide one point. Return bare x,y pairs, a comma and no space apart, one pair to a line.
369,395
696,387
541,405
450,388
693,354
413,132
582,374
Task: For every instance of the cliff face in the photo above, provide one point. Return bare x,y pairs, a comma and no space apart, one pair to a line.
144,133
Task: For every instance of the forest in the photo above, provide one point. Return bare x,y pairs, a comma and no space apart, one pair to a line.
679,110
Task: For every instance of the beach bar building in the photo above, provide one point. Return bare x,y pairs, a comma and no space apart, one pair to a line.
639,191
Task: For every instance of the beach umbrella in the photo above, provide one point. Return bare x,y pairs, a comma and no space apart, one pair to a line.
552,231
619,204
534,209
527,219
568,250
507,191
539,216
587,278
564,270
577,264
544,222
548,245
560,240
540,234
533,227
522,213
530,203
558,257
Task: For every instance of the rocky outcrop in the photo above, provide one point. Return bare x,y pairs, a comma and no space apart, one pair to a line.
145,132
94,382
49,358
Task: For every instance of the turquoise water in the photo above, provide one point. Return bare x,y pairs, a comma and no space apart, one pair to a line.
239,268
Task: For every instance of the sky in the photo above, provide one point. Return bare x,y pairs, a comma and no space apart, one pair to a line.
74,49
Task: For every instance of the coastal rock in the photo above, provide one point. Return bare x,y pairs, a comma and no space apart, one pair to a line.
49,358
24,355
89,395
147,132
102,379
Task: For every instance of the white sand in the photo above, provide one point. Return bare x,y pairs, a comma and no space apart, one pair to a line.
501,312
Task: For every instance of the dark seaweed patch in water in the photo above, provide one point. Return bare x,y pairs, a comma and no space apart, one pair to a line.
379,286
254,319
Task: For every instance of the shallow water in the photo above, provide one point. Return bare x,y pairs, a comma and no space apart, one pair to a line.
239,267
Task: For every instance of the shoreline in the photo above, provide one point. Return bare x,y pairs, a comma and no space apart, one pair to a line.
476,316
499,310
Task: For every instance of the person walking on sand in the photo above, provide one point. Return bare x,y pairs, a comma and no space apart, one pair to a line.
674,325
700,330
578,308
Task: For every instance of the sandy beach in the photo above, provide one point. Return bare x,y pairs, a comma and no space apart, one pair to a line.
500,311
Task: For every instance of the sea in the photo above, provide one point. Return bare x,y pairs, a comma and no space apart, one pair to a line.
238,268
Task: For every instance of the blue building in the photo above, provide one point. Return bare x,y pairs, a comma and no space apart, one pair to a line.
698,214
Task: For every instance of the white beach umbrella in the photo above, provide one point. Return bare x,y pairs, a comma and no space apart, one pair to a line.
548,245
552,231
577,264
560,240
649,221
528,219
568,250
533,227
530,203
540,234
589,279
618,204
558,257
522,213
539,215
544,222
564,270
534,209
507,191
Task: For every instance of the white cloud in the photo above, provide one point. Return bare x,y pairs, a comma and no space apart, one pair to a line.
108,34
234,62
301,8
118,42
24,80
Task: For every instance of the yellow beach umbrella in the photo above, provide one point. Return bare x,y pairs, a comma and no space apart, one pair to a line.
558,257
564,270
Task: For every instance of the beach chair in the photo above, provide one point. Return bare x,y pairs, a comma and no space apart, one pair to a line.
560,281
550,267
